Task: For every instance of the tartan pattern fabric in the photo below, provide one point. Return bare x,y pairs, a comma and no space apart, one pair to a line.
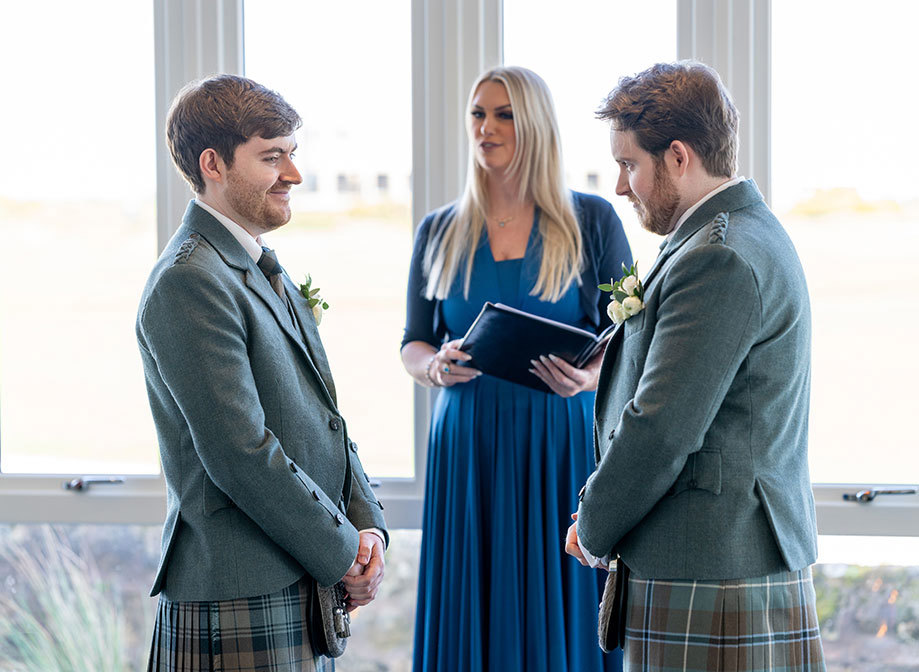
742,625
268,633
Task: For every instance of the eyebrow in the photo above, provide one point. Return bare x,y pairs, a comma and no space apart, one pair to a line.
279,150
500,107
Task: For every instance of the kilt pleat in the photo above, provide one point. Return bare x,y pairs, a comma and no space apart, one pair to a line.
267,633
766,624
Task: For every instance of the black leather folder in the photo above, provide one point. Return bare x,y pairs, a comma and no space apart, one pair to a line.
503,340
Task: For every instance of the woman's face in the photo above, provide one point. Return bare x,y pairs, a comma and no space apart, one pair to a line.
492,127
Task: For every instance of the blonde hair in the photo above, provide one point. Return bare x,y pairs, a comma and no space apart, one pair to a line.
537,166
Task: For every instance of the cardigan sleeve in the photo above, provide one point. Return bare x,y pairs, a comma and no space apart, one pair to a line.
606,249
419,311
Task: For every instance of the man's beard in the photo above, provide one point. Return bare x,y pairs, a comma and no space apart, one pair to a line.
254,205
656,214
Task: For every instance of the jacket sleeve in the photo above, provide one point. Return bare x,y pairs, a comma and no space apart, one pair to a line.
364,509
708,317
192,326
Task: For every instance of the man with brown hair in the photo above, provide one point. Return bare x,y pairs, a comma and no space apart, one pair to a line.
702,491
266,497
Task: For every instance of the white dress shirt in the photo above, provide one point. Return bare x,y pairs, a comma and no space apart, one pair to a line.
250,243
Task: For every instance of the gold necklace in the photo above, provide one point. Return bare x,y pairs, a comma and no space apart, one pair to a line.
502,222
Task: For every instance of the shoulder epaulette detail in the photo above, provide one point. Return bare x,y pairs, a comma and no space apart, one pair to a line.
186,248
718,229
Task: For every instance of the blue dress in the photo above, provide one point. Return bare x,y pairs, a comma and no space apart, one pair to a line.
496,590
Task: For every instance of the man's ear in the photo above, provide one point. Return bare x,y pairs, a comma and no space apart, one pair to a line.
680,155
211,165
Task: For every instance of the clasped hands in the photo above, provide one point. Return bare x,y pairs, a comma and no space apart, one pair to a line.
362,581
560,376
573,548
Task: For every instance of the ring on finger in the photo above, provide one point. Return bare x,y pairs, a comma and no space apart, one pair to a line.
446,368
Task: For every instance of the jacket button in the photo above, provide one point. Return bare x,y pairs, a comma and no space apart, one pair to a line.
339,519
693,484
293,467
612,434
315,494
353,447
334,424
380,504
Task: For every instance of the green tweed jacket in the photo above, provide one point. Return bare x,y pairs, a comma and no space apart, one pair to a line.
702,407
263,482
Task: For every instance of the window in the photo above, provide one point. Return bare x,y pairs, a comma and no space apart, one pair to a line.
77,208
310,182
844,186
74,217
355,247
348,184
594,44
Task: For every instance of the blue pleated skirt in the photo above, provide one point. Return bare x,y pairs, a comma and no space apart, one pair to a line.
496,590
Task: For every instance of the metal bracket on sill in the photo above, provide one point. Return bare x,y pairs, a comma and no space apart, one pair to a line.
865,496
82,483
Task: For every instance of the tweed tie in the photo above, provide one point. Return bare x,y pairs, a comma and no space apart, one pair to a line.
268,264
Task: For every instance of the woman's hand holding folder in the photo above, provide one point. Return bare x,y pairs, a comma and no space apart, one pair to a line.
565,379
445,368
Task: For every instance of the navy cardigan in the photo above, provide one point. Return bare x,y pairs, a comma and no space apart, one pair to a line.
605,250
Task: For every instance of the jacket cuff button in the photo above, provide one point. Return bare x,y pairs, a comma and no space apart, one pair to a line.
293,467
339,519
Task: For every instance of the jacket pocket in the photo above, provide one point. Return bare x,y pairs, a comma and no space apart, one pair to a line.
702,472
214,498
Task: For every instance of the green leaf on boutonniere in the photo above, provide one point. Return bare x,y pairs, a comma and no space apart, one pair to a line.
620,296
311,294
605,287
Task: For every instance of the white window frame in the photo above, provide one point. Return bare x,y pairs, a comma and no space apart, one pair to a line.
452,41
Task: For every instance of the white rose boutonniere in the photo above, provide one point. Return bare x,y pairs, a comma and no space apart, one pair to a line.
316,303
627,295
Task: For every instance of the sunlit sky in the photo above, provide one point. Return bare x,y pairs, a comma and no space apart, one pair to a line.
79,112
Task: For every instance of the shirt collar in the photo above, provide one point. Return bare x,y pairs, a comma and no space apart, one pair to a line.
252,246
717,190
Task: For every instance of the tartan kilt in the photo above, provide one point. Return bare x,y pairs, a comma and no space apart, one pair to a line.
267,633
742,625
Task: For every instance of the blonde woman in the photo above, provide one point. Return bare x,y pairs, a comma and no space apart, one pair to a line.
496,591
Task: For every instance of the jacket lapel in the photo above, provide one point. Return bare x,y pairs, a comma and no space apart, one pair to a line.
199,220
310,334
739,196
